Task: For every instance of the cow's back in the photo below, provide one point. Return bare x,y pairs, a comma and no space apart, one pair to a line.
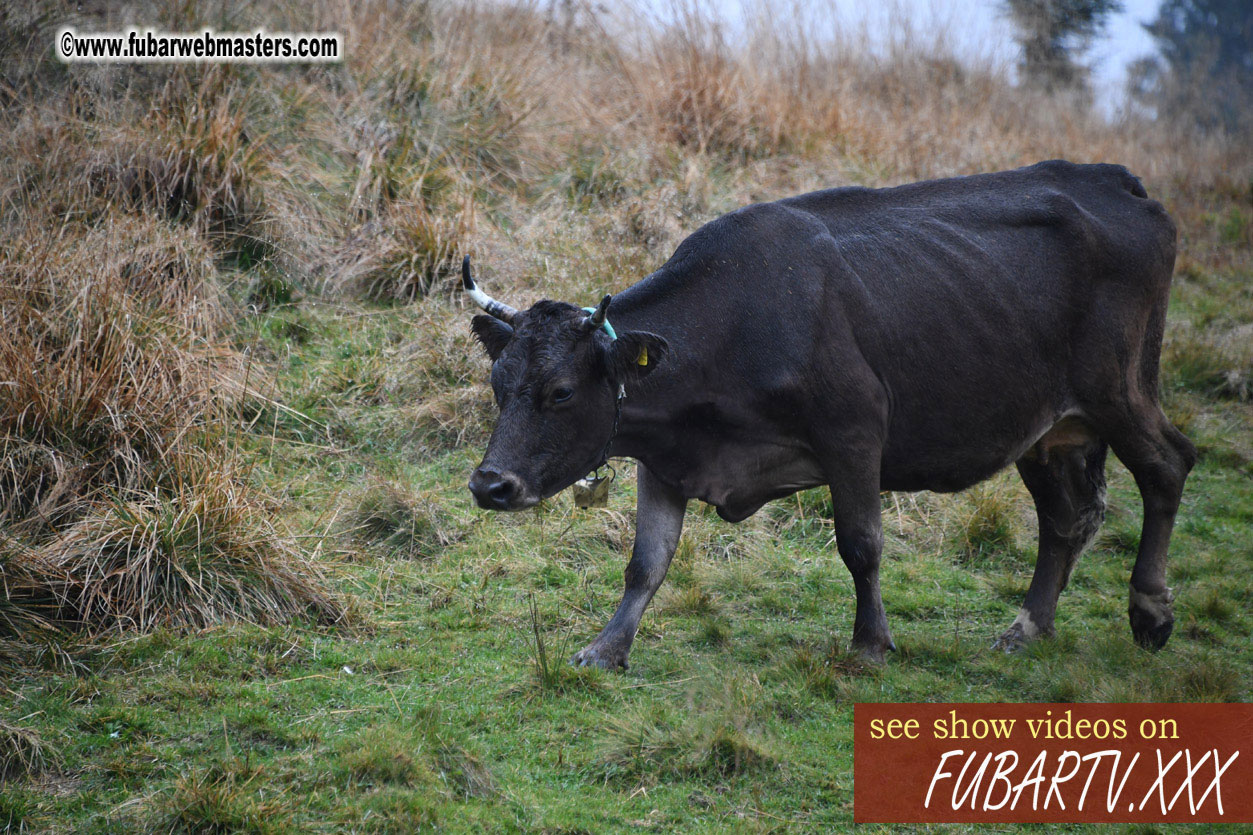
1101,211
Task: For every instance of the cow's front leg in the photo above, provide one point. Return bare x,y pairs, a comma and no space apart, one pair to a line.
859,538
658,523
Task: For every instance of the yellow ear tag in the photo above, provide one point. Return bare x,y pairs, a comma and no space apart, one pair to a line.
643,358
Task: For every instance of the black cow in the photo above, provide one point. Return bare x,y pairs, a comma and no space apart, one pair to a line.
913,338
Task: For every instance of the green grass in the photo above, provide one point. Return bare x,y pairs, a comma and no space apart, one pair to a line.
453,705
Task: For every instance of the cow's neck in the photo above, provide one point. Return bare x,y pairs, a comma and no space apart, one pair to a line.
661,424
645,410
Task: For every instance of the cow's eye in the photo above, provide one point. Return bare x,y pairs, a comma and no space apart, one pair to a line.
562,394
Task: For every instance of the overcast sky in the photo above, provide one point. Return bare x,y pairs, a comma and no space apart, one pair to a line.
976,27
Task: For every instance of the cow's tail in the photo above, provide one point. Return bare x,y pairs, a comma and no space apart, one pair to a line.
1155,330
1151,350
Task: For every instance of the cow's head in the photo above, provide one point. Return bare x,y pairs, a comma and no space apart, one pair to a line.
556,375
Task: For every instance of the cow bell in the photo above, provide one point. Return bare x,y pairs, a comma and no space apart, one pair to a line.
591,491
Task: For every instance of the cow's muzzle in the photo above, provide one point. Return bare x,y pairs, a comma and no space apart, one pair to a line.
498,491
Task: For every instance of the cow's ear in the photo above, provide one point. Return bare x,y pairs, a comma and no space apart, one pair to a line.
493,333
634,354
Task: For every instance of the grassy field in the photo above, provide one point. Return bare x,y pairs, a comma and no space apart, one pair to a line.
246,589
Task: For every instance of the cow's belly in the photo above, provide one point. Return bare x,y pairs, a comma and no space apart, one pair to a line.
945,459
947,476
737,476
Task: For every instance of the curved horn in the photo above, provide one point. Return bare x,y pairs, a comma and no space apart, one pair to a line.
503,312
596,319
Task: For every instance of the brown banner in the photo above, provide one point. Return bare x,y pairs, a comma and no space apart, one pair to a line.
1080,763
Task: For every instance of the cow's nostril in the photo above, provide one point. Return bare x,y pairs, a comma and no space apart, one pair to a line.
501,492
495,491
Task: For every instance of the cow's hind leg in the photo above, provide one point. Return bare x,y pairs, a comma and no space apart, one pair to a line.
1160,458
1065,474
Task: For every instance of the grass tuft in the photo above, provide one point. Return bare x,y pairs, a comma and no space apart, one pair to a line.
107,356
1209,678
125,509
401,523
827,671
988,527
422,751
231,796
552,672
390,754
463,770
16,808
201,553
721,733
1214,363
398,811
23,752
713,631
406,255
194,158
692,600
1120,535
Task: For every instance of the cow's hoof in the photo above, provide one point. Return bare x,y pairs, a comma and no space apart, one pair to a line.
1012,639
875,653
1152,618
1021,632
599,655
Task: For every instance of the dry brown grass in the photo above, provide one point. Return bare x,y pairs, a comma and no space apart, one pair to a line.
28,607
199,553
107,360
405,254
133,509
193,156
22,751
123,502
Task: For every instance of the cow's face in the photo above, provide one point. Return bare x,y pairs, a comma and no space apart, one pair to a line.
555,377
